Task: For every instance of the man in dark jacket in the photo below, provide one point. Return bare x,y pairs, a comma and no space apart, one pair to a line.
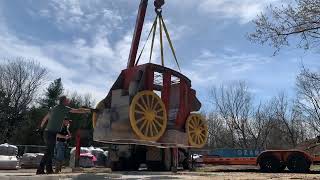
54,120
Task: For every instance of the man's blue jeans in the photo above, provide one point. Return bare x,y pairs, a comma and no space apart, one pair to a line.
60,150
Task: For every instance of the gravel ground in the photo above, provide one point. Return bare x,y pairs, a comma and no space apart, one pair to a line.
215,172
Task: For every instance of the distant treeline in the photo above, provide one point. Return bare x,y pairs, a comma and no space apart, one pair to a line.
23,104
236,121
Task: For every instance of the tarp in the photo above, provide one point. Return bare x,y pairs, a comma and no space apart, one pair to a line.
89,157
31,160
8,150
9,162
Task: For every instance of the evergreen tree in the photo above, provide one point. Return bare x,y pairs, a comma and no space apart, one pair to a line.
52,94
5,115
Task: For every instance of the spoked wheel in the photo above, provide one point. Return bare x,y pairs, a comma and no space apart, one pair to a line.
148,116
197,130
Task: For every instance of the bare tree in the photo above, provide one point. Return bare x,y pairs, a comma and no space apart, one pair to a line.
299,22
308,96
236,123
20,79
233,104
261,126
79,100
287,123
218,134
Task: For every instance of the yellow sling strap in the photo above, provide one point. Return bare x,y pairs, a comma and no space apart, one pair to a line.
154,25
161,43
162,26
153,36
170,42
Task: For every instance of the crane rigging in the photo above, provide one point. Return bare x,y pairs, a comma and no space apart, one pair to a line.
150,113
162,28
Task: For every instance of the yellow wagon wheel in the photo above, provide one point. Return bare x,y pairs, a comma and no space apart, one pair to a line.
197,130
148,116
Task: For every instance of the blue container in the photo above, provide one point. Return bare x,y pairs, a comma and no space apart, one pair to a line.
235,152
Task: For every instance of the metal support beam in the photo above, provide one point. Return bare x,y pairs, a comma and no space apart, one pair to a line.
137,33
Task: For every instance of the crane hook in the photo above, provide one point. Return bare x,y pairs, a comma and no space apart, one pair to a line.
158,4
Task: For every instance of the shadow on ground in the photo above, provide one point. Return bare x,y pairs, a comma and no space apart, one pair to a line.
138,176
258,171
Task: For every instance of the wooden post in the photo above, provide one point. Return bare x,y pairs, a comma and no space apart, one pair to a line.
78,147
165,94
192,161
175,159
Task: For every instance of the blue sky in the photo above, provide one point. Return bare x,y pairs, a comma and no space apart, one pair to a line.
87,43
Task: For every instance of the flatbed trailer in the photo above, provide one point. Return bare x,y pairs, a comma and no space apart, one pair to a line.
270,160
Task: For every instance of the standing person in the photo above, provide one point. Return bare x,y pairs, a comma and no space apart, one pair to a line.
61,145
55,119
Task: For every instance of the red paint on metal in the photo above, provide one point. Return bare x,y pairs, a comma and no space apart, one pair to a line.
176,155
128,75
228,161
165,94
137,33
192,95
316,159
149,78
282,155
78,146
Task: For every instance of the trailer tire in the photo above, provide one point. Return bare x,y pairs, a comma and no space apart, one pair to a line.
155,166
186,164
269,163
298,163
125,164
115,166
282,167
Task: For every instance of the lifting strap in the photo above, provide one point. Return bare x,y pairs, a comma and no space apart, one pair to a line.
153,36
170,42
153,31
154,26
161,43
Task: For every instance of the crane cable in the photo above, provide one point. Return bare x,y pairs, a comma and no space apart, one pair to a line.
154,29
